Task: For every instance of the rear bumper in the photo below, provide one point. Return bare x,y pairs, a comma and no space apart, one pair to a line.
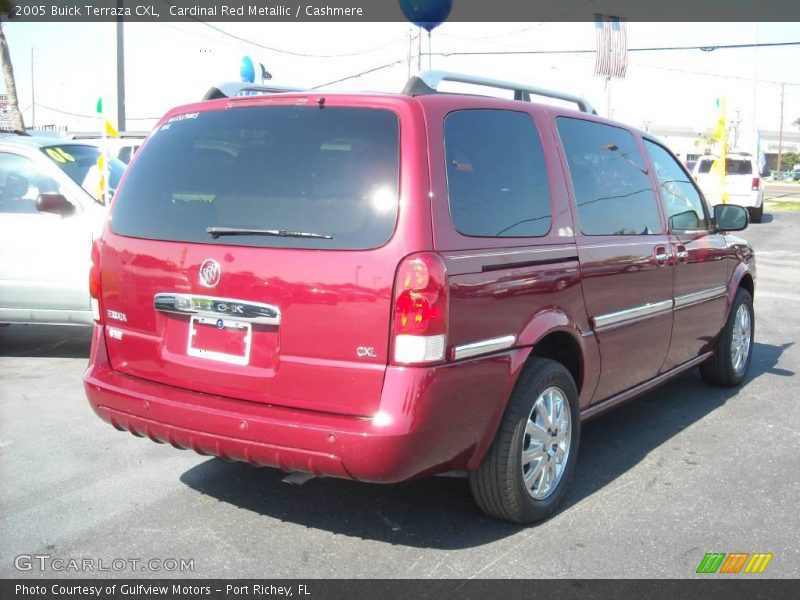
430,420
751,200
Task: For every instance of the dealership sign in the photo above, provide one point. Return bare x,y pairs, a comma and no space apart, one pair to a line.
5,113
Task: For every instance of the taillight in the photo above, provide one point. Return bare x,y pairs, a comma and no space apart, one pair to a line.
419,318
756,184
94,281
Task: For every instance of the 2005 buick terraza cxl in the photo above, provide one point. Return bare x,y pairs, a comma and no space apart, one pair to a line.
384,287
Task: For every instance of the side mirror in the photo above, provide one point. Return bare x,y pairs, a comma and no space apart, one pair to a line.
730,217
56,204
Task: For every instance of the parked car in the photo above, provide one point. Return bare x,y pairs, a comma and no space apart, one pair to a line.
522,268
743,182
122,148
49,215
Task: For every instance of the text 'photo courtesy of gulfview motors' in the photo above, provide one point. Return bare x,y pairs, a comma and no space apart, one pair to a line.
428,290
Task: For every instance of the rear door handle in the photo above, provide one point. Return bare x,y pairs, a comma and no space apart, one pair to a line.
682,254
661,254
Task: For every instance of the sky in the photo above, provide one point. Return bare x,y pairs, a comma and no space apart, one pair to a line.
168,64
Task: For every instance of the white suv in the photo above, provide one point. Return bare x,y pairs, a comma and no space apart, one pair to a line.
743,182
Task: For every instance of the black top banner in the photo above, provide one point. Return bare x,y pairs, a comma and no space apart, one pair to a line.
389,10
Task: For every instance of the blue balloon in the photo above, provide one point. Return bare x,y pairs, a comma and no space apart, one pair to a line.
247,71
428,14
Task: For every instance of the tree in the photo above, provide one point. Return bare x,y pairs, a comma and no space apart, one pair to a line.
17,122
796,122
790,160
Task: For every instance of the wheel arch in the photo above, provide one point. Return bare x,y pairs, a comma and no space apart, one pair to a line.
551,334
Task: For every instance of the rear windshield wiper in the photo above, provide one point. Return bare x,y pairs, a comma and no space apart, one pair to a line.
216,232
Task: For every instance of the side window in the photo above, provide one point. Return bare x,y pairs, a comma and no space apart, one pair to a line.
496,174
612,187
683,205
19,184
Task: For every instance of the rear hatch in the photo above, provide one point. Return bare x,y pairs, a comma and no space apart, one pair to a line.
250,254
738,178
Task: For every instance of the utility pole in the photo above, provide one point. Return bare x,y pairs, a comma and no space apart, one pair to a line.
120,73
419,50
737,122
780,131
410,34
33,95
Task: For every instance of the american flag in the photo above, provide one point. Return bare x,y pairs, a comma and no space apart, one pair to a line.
612,46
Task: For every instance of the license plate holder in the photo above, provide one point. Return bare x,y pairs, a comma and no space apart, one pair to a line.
221,340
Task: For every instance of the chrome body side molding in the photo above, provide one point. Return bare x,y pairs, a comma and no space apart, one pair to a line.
656,308
701,296
191,304
483,347
629,314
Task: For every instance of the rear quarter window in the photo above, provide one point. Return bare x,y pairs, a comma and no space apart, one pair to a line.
496,174
332,171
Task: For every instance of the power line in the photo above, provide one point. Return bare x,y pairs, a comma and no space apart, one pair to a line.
85,116
386,66
706,73
646,49
288,52
585,51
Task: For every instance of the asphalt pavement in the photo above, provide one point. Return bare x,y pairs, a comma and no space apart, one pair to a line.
685,470
782,190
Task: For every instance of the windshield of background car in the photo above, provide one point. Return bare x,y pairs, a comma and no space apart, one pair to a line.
331,171
79,162
733,166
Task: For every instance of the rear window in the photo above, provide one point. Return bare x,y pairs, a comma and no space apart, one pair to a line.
733,166
79,162
331,172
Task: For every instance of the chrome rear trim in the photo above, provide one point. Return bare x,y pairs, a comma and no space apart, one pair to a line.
483,347
191,304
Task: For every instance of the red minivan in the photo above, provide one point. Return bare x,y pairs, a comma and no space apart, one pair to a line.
384,287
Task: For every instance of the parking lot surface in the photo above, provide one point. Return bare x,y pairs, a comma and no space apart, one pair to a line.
682,471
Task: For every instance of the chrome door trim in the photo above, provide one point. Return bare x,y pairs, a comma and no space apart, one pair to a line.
651,309
700,296
532,251
483,347
194,304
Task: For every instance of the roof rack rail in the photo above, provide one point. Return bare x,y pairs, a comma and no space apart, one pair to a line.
231,89
427,82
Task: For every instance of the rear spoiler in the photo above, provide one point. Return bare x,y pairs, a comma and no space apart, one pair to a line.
231,89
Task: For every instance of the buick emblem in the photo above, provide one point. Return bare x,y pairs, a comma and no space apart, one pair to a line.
210,273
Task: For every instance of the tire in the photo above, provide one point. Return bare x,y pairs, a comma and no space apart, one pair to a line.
756,214
498,485
723,369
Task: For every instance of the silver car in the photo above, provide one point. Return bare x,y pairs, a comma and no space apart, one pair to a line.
49,215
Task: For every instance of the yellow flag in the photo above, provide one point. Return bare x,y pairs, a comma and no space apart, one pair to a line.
721,135
110,131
